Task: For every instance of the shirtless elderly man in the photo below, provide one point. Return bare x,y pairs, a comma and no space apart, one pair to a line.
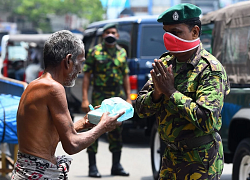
43,118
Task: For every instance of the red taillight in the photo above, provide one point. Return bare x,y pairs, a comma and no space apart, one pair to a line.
40,73
24,77
5,68
133,82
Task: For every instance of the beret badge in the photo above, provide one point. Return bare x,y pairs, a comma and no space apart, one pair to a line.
175,16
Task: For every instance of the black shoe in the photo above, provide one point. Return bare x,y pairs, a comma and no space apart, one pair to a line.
93,172
117,170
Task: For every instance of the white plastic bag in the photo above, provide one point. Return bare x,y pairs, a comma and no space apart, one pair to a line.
113,106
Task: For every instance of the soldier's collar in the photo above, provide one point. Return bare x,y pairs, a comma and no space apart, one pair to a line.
194,60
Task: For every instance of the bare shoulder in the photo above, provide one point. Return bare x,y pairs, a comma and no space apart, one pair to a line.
55,89
47,87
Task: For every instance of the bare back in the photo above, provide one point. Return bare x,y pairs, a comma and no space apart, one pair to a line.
37,133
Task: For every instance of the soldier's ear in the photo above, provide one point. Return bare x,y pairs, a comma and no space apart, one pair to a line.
195,32
117,35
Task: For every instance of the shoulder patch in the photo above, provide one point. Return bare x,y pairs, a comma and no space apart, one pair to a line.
212,61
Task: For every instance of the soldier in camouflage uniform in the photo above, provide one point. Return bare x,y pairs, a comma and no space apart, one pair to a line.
186,93
107,63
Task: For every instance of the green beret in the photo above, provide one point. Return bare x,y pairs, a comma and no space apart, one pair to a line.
180,13
110,25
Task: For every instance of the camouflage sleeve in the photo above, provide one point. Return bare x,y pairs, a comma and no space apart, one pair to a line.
89,63
204,113
145,106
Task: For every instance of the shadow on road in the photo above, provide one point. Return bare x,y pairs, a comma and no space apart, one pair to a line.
133,138
226,177
147,178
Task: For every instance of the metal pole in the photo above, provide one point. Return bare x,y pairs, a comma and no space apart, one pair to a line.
150,5
172,3
107,7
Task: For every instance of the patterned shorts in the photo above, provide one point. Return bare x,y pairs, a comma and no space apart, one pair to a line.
32,167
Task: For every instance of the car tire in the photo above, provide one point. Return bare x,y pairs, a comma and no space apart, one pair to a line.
241,161
156,151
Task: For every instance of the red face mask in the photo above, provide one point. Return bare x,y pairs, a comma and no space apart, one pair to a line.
177,45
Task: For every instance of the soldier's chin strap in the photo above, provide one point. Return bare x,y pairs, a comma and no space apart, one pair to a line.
175,44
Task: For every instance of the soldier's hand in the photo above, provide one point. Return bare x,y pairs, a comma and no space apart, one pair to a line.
110,123
129,100
85,106
163,78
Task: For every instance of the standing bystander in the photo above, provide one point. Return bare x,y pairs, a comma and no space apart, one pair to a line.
107,63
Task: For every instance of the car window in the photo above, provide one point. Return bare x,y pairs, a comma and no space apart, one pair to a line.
99,39
151,42
125,31
89,43
16,51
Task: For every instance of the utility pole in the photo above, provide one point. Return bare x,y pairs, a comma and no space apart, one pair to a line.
172,3
150,6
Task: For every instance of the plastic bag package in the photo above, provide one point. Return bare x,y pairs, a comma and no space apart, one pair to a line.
112,105
8,110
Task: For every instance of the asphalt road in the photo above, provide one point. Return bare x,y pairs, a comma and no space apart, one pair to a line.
135,159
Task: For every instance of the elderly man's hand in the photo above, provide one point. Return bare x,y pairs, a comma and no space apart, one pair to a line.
83,123
87,124
110,123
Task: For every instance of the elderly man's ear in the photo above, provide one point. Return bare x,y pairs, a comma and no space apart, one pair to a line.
67,61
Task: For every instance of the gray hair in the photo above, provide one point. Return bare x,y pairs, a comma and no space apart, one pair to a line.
59,45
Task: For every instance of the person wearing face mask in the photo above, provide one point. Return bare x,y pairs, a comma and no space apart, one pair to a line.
186,93
107,63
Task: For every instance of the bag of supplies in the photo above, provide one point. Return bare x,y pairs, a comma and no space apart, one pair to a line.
112,105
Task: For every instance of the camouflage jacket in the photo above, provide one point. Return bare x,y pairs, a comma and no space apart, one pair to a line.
195,108
107,69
